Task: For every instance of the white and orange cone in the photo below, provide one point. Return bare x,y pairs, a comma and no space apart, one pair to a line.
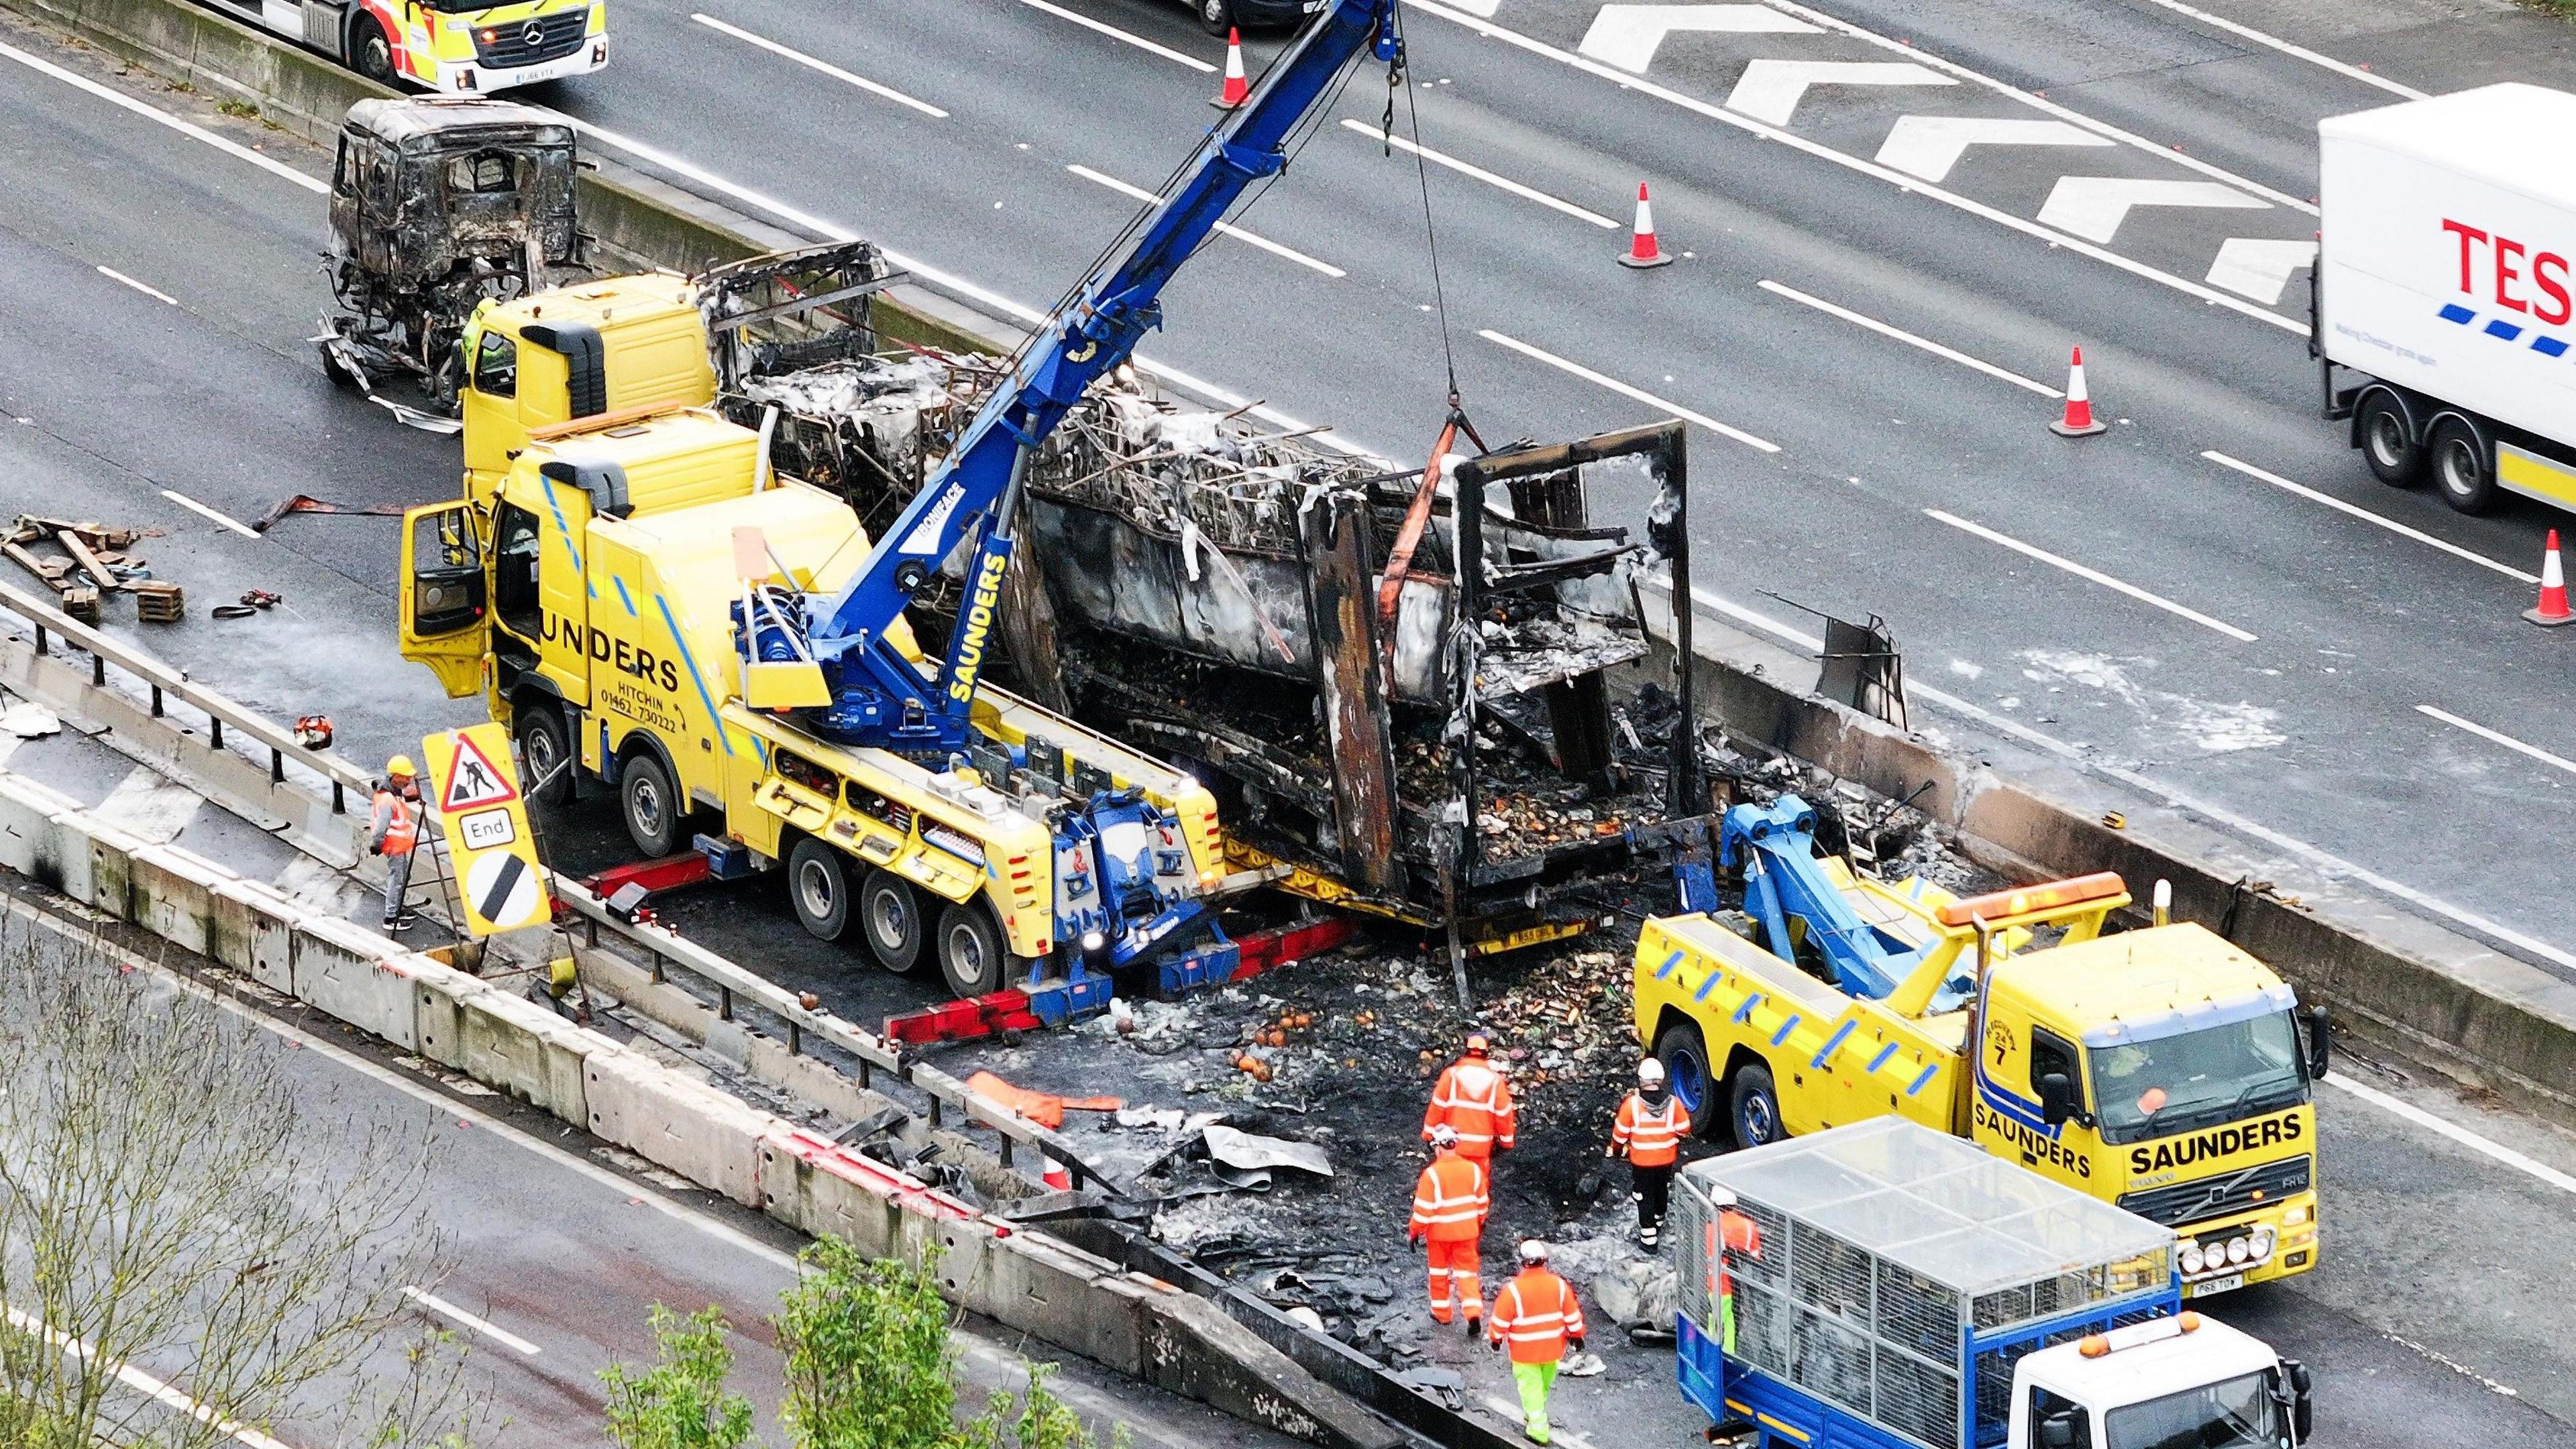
2078,422
2552,611
1642,251
1237,89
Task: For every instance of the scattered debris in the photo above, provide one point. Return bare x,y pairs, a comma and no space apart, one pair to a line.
1639,1294
1246,1152
1044,1108
92,563
157,602
29,720
313,731
307,503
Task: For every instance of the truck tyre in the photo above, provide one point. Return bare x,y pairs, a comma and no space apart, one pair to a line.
890,915
2388,440
1215,16
650,803
1753,1107
371,51
1685,1058
544,743
971,951
2463,463
818,889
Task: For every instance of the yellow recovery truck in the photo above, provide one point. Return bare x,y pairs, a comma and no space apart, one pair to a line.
584,585
2162,1069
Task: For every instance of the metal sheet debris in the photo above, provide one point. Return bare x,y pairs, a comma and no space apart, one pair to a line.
1245,1152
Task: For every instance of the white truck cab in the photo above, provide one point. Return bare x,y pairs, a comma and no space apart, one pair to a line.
2184,1379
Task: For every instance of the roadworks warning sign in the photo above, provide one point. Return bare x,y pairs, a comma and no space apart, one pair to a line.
485,818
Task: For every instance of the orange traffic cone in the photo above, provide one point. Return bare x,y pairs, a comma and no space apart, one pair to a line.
2078,422
2553,590
1642,251
1237,89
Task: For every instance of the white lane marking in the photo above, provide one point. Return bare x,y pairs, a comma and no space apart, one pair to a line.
2042,103
826,67
1914,184
2484,1146
155,113
113,275
2093,207
2366,516
2286,48
193,506
1928,146
2090,575
483,1326
1911,340
1624,390
2081,759
1227,227
2499,736
2259,267
1628,36
1138,41
149,805
1511,1413
1526,193
141,1382
982,296
1769,90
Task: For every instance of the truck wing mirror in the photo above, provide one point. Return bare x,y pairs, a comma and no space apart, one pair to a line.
2057,1431
2319,1048
2302,1404
2056,1098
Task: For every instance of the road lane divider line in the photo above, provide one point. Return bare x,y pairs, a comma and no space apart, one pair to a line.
1910,339
193,506
2039,102
2366,516
1845,159
483,1326
1636,394
985,297
154,113
1114,33
2090,575
2484,1146
2499,737
1503,183
1230,229
2248,32
143,1383
113,275
873,88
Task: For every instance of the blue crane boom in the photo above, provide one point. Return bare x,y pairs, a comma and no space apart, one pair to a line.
876,696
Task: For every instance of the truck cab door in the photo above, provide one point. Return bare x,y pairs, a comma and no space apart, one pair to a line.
2030,1104
444,587
488,402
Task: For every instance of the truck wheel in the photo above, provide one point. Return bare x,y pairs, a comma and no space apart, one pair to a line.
818,889
2463,463
2388,441
543,745
1685,1059
971,953
1753,1107
651,805
890,914
1215,16
371,51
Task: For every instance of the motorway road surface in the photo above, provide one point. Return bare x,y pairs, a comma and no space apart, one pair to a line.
2437,1316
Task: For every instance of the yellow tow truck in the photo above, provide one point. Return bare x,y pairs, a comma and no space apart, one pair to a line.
2161,1069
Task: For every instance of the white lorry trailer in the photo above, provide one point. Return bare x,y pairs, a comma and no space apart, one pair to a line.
2443,301
1887,1286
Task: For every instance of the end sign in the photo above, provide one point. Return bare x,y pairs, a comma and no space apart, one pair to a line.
486,822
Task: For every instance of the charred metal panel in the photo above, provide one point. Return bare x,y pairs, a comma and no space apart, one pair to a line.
1342,621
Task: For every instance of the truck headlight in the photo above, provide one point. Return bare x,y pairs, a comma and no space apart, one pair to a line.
2238,1250
2189,1257
2262,1245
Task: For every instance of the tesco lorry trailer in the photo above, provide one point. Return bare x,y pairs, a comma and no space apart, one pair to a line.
2444,300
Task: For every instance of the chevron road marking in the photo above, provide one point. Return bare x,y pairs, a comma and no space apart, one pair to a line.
1928,146
1627,36
1771,89
2259,267
2093,207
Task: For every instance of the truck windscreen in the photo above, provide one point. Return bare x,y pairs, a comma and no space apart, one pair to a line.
2197,1078
2239,1411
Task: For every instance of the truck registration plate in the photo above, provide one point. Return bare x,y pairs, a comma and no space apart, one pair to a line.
2213,1285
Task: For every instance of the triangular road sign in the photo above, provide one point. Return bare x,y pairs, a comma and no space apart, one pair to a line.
473,781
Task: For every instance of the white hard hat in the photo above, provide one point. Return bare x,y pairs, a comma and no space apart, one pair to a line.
1444,1135
1533,1251
1650,1073
1720,1196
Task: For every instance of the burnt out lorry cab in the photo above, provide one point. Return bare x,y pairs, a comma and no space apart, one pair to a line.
439,207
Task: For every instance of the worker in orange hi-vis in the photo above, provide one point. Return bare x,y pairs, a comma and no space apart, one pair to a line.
1730,1236
1472,1099
1651,1125
1537,1315
1449,1207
